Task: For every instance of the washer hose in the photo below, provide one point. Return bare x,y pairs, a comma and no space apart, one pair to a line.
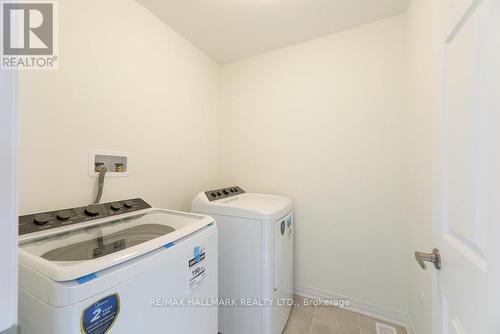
100,186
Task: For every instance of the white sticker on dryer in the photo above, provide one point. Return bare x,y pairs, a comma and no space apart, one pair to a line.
289,228
196,269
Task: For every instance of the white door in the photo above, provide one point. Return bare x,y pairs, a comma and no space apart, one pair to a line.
467,234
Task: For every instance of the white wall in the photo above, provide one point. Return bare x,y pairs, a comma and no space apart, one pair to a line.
323,122
125,82
8,200
424,28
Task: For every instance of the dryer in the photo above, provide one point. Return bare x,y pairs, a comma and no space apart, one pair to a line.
256,237
120,267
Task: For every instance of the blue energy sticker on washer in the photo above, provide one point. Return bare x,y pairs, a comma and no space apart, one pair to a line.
196,269
100,317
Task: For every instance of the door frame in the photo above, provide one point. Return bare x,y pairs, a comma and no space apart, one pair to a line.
9,152
437,172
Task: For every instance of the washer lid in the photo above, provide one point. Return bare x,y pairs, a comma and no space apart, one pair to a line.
248,205
69,255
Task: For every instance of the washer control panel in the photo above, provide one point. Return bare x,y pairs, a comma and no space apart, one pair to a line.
216,194
54,219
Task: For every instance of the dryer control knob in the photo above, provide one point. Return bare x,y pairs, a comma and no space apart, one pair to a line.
41,219
92,210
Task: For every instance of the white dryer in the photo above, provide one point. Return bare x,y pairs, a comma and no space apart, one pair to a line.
256,237
120,267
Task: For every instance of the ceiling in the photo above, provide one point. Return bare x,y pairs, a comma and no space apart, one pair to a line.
229,30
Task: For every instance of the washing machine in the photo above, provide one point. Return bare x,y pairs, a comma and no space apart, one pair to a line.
121,267
256,237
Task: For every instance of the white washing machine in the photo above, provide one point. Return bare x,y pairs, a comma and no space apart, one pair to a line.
256,236
120,267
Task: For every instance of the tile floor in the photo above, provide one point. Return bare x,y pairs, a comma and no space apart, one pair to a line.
330,320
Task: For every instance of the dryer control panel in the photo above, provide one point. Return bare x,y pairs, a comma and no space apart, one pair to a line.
216,194
54,219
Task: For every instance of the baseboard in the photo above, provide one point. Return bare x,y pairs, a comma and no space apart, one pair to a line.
359,306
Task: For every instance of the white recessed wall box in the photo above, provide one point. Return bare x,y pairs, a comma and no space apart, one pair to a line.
117,163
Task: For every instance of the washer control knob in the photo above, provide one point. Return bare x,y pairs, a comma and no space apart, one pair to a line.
213,194
128,204
63,215
116,206
92,210
41,219
225,192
